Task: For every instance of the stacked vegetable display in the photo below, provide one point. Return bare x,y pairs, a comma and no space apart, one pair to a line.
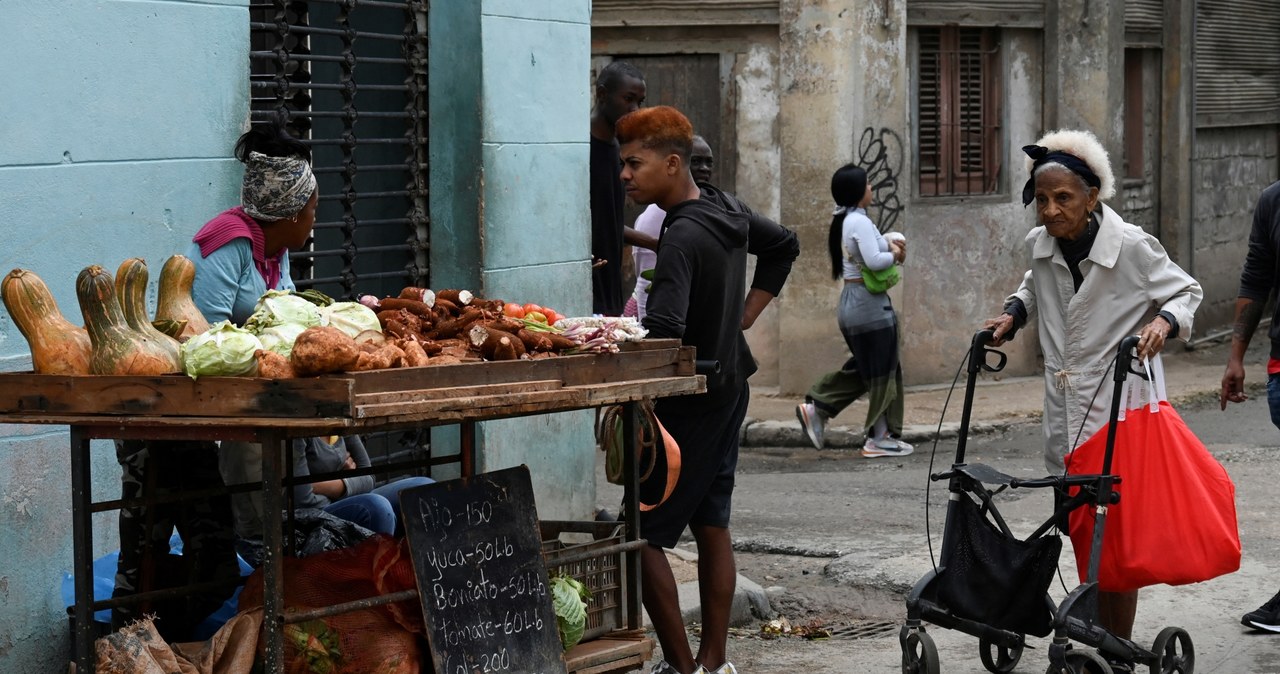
290,334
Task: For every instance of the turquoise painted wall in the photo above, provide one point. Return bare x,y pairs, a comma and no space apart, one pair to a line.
117,121
510,213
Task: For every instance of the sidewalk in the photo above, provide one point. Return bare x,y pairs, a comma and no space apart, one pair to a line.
1191,374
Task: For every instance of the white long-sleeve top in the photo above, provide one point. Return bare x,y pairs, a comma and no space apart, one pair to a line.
863,245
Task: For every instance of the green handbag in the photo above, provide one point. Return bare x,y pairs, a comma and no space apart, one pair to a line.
882,280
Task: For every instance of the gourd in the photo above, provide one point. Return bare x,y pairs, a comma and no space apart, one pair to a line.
117,348
57,346
131,292
173,296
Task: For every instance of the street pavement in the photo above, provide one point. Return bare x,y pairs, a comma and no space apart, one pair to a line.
866,517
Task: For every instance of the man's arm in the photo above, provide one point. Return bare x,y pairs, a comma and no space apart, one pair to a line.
1248,315
635,237
1256,281
775,248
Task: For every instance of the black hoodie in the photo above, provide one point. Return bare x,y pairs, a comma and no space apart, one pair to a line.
699,281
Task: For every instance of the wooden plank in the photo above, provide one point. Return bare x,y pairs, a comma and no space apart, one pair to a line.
608,654
178,395
569,398
175,428
387,397
477,403
637,363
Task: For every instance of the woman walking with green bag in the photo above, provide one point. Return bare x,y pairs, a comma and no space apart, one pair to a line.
866,262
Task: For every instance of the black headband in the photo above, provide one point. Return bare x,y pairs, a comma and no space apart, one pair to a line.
1042,155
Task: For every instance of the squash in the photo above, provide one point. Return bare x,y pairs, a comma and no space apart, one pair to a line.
173,296
131,292
57,346
117,348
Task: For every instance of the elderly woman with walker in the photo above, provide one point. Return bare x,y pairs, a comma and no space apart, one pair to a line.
1094,280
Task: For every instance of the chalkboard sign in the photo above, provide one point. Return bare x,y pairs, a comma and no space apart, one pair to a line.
477,558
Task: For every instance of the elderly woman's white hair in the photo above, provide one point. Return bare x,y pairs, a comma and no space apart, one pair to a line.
1086,147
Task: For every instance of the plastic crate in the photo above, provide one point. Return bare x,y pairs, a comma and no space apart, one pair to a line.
602,573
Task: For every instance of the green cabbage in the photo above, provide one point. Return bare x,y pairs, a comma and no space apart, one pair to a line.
277,307
222,350
569,600
352,318
280,338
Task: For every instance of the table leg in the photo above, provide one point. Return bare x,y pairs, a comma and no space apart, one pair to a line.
467,449
273,446
82,548
631,472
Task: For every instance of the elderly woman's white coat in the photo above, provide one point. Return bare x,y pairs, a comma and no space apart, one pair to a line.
1128,278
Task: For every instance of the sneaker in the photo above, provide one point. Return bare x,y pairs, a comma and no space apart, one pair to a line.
886,447
1265,617
813,422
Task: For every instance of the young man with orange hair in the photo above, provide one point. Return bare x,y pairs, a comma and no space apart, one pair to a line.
697,296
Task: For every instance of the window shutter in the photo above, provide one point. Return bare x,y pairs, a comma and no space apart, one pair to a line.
1237,62
929,100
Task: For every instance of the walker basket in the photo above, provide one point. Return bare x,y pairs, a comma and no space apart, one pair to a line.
601,572
993,578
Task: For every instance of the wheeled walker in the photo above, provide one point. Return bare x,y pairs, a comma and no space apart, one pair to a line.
992,585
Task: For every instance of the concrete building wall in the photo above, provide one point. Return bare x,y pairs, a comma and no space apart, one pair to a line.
119,118
509,200
1231,167
965,255
754,73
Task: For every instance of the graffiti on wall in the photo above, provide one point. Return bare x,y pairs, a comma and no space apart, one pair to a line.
880,153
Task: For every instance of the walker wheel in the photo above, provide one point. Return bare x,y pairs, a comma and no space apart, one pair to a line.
997,658
1175,651
919,654
1082,662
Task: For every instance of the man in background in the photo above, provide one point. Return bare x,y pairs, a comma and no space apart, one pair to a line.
619,89
1257,282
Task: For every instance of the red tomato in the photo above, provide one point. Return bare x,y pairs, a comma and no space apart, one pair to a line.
513,310
531,307
551,315
536,316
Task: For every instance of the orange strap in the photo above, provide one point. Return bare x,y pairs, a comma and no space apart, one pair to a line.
673,465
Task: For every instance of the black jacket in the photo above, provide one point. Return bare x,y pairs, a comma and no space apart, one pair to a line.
699,281
1260,274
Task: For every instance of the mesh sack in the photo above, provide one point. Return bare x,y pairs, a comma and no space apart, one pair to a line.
378,640
993,578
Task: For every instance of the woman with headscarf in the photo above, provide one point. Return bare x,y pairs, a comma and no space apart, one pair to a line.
1094,280
867,321
238,255
241,254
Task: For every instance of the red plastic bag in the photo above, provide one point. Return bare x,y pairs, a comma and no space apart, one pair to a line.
1176,519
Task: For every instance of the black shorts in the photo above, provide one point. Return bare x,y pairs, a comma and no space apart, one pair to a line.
703,495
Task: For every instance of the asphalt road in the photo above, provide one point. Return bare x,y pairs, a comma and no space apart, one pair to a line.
846,536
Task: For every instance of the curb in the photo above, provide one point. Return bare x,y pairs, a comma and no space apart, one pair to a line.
771,433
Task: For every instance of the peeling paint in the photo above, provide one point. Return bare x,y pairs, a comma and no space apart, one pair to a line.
19,498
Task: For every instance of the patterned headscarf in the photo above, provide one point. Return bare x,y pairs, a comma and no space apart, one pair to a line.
276,188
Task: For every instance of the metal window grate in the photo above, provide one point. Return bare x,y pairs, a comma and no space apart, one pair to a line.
350,77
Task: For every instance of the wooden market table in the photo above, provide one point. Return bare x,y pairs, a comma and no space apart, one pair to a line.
272,412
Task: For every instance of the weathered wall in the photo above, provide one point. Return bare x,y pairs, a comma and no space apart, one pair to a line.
966,254
119,118
1231,167
1084,69
755,77
509,214
827,100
